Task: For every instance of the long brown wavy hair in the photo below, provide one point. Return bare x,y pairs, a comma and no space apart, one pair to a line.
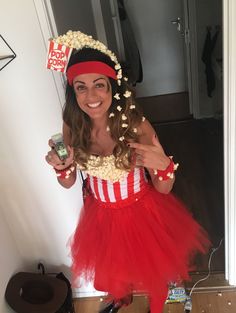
80,124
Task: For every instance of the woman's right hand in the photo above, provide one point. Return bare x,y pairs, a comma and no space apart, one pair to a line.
53,159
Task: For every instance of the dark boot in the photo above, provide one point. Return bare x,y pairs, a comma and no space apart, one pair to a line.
111,308
114,306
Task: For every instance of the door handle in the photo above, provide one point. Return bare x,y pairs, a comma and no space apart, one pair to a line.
177,22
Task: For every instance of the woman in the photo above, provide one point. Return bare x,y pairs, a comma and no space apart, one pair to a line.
131,235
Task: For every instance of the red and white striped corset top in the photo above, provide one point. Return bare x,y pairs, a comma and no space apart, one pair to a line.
109,191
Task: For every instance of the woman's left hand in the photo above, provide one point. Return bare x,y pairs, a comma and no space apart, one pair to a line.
150,156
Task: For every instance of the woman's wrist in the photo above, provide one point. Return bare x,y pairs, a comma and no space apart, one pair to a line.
66,172
168,172
165,163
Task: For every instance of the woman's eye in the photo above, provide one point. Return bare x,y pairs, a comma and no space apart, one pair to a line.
100,85
80,88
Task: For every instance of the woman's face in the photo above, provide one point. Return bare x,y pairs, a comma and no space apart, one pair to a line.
93,94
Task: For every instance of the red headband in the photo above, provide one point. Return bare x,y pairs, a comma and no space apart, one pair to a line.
89,67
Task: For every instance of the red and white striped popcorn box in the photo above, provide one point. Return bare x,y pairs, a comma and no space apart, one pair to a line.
58,56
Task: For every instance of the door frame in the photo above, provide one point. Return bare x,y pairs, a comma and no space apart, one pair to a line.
190,37
229,53
229,65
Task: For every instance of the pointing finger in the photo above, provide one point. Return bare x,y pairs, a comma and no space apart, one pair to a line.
139,146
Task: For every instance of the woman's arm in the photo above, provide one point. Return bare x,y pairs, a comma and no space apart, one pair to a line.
150,154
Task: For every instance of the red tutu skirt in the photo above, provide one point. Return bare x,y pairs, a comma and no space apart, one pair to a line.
139,244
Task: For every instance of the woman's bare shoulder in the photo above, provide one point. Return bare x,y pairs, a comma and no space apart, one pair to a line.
146,132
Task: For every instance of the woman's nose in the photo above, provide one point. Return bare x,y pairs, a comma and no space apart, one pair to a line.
91,93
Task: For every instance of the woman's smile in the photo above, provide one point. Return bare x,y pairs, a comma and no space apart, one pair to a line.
94,105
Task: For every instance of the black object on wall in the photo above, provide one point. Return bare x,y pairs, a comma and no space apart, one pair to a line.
7,58
209,45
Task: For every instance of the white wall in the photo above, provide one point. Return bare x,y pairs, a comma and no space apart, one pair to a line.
39,213
10,260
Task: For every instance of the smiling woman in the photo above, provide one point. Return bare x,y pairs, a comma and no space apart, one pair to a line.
128,207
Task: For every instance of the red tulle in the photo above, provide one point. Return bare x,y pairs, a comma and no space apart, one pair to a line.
136,245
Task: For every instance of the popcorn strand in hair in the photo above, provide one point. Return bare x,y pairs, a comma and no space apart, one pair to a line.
123,115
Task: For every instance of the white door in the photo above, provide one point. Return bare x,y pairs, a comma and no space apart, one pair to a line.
160,44
185,25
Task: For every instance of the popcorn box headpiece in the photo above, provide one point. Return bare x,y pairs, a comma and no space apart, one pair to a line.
58,56
60,48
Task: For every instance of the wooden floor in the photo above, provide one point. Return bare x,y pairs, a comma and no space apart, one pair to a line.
170,107
197,145
214,301
213,295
